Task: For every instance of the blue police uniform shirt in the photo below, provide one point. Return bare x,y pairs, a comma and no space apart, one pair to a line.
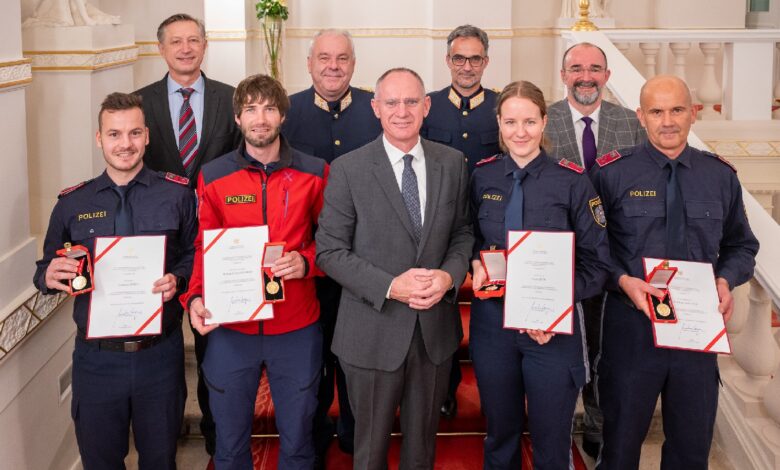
556,199
633,189
159,207
328,130
467,124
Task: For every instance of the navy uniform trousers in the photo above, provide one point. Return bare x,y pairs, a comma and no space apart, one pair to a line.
510,367
114,390
232,368
632,372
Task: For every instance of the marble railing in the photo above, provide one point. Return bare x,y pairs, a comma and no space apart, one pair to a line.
748,424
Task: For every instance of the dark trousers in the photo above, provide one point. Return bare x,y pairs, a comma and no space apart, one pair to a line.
511,368
115,390
632,373
592,418
419,387
207,426
329,293
232,369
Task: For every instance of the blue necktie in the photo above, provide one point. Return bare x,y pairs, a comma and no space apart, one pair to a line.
676,244
123,221
588,144
513,215
411,195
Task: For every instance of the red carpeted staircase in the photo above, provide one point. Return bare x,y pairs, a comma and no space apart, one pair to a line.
458,443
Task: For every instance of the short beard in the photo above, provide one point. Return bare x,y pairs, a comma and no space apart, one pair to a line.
260,143
585,100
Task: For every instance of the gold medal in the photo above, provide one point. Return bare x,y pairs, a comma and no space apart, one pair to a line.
491,287
272,287
79,282
663,309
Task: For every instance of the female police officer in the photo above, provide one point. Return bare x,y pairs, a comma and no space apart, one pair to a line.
523,189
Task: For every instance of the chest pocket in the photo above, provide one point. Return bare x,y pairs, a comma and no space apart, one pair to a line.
545,219
489,138
642,215
705,225
81,231
439,135
162,221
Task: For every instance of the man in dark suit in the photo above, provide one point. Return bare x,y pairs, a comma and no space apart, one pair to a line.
191,122
328,120
395,233
580,128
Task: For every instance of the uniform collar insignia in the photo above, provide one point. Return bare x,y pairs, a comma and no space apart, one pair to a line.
322,103
473,102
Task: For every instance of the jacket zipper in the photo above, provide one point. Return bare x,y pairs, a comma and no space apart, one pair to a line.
264,178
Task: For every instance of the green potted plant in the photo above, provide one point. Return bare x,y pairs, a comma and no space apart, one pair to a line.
272,15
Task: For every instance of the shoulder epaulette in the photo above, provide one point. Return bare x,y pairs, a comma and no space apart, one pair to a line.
487,160
571,166
608,158
69,190
723,160
366,88
175,178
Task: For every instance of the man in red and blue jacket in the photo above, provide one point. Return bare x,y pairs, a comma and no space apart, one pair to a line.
263,182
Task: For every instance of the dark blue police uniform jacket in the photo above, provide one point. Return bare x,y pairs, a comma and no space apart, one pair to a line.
467,124
159,206
329,130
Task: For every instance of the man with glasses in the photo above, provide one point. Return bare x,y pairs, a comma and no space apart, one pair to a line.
580,128
463,116
395,232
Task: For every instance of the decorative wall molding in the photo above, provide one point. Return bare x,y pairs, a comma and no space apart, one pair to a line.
739,148
15,74
82,59
147,48
26,319
405,33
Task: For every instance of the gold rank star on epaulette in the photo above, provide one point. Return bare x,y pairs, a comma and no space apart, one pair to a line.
571,166
176,178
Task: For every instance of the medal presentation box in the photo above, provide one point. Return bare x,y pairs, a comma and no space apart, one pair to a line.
494,262
662,307
82,283
273,287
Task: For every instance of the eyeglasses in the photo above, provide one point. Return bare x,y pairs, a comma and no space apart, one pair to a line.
578,69
408,102
460,61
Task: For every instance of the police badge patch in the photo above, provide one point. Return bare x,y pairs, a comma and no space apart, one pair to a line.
598,211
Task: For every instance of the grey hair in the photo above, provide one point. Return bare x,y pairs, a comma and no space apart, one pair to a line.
468,31
176,18
332,31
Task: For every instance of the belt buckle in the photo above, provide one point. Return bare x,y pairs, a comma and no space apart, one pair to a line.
132,346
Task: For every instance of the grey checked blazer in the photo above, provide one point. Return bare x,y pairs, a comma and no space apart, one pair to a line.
618,128
365,239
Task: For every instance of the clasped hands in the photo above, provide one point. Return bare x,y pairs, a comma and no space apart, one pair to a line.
421,288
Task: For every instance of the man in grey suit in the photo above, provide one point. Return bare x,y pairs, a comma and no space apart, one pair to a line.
395,233
580,128
191,122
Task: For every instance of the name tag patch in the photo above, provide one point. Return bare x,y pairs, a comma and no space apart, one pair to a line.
241,199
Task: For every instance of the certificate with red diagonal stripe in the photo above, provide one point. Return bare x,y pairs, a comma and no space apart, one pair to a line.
699,326
540,281
125,270
232,274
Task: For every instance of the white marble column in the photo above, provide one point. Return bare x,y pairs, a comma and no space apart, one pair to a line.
235,41
748,72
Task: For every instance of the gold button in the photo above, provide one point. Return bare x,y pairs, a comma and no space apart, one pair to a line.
465,135
337,142
465,113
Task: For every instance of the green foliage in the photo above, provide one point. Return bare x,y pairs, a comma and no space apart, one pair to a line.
272,9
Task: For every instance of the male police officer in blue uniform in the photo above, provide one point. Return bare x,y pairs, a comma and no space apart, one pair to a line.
463,115
138,380
328,120
667,200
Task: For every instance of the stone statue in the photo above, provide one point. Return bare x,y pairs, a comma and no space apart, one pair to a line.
571,8
52,13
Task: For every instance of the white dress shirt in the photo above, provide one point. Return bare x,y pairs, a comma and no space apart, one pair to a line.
579,127
396,157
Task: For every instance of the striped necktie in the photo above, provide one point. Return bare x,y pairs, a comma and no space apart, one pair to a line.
188,133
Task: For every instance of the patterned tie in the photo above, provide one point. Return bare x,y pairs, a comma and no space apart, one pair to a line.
588,144
513,214
188,134
123,221
411,196
676,244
